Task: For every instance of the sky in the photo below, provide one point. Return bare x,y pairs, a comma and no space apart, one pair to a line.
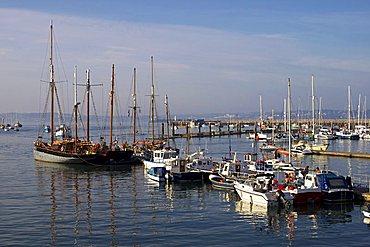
210,56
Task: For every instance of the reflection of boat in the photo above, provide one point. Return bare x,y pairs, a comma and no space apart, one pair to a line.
221,182
246,208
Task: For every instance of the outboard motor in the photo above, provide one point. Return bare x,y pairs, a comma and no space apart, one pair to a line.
349,182
281,198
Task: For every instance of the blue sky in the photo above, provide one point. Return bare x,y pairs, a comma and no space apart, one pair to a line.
210,56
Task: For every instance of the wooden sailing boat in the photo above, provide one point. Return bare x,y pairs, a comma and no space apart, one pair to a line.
62,148
116,154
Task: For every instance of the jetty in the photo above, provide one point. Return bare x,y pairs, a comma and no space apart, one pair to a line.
343,154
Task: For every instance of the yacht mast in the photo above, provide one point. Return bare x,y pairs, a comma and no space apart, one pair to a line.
289,122
52,86
152,98
111,110
167,120
88,86
349,108
359,109
134,107
313,107
285,125
75,107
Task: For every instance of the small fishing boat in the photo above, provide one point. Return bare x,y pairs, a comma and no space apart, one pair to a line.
221,182
157,173
178,171
257,190
161,157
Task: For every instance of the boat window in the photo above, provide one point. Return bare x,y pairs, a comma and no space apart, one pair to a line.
336,183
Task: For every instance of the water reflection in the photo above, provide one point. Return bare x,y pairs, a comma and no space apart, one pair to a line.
81,188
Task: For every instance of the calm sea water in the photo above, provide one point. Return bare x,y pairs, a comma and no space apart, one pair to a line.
52,205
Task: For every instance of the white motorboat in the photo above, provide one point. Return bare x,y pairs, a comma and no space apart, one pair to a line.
259,191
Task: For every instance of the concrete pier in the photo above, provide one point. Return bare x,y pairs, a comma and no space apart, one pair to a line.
343,154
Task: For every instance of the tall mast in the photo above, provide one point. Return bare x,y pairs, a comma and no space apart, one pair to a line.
359,109
52,85
134,106
365,117
320,110
75,106
313,108
167,120
152,98
88,86
111,110
261,110
349,108
289,124
285,125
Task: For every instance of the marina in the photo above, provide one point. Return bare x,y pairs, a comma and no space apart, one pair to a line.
124,207
250,127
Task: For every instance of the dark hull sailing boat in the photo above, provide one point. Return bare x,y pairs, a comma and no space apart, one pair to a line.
117,154
62,148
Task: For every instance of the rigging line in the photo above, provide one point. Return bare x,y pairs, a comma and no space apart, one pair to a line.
81,122
43,115
95,112
106,119
59,58
61,118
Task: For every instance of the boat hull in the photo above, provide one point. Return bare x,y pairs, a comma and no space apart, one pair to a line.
221,183
47,155
266,199
186,176
307,196
342,195
150,164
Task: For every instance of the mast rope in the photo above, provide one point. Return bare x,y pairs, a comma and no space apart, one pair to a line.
61,118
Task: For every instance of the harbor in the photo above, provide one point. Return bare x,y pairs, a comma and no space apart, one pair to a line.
187,123
94,201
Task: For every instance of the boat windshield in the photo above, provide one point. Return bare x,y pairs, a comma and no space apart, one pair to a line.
168,155
336,183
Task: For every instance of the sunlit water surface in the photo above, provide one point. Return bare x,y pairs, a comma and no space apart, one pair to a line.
52,205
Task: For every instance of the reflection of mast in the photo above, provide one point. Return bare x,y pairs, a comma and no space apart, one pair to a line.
112,211
77,210
53,214
89,203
